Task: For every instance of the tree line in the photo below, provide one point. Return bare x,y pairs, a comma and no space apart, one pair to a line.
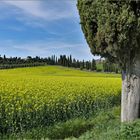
62,60
111,67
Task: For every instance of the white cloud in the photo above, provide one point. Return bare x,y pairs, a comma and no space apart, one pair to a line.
46,10
45,48
41,13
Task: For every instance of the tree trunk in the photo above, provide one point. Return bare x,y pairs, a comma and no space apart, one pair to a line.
130,104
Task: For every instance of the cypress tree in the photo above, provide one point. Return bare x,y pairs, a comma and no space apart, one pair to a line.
112,30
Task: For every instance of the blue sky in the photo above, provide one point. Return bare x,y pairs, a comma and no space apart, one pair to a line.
41,28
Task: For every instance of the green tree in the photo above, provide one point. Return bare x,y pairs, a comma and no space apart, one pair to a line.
112,30
87,65
93,65
70,61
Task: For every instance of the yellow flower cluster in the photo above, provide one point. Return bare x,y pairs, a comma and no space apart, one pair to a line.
31,97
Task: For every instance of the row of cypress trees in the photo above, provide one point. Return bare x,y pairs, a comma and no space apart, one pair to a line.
111,67
62,60
68,61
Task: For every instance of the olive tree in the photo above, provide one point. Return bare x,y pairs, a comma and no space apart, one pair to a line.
112,30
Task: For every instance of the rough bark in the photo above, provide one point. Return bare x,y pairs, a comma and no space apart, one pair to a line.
130,104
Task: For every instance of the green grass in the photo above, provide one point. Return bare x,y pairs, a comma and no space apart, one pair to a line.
54,71
105,125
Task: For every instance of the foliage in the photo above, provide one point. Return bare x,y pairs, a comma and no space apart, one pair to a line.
70,128
110,67
12,66
93,65
63,60
105,125
131,130
111,28
42,96
105,121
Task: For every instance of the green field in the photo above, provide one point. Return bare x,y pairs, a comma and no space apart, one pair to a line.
41,97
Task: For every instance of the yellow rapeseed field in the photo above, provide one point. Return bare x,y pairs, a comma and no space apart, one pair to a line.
41,96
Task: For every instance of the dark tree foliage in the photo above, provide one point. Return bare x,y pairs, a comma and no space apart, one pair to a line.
111,28
110,67
93,65
62,60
